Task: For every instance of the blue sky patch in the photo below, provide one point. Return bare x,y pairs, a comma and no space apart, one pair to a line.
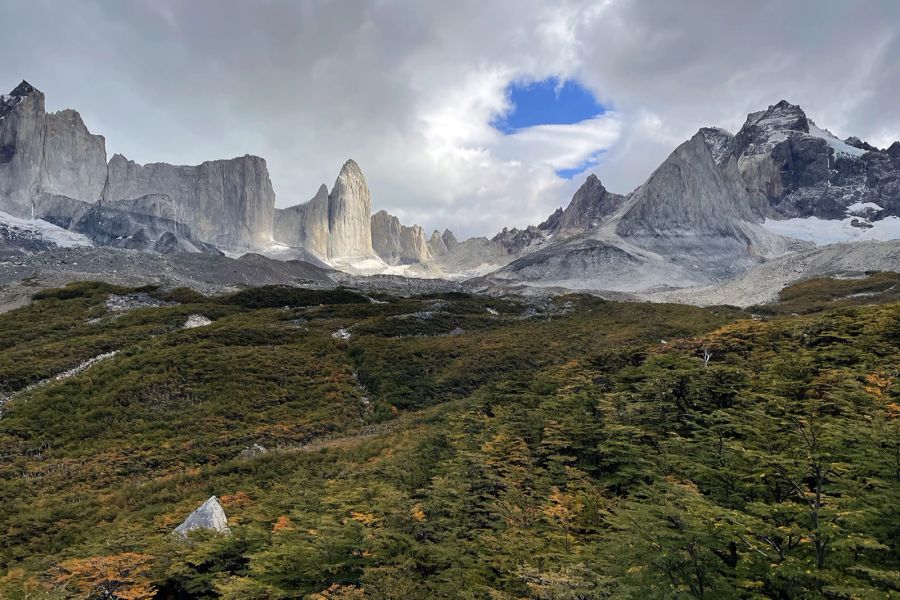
547,102
581,168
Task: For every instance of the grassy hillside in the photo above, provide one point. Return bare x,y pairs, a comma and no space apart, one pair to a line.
453,447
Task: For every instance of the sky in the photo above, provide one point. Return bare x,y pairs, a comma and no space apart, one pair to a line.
472,114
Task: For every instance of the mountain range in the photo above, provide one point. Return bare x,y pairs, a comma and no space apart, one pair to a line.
719,206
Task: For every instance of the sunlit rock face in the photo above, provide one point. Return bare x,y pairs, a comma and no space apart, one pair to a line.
46,158
334,225
398,244
349,215
228,203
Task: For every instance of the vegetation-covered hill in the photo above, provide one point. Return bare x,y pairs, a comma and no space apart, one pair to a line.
452,446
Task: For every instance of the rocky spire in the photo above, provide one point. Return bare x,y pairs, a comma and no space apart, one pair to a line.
349,215
589,206
436,245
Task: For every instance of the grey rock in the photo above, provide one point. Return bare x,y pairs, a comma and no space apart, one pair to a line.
194,321
449,239
763,283
335,225
124,303
45,153
305,225
719,142
127,224
436,245
210,516
22,125
803,170
349,215
590,206
700,215
74,159
858,143
227,203
398,244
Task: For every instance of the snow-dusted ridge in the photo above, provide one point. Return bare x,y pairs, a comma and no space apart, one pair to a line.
839,146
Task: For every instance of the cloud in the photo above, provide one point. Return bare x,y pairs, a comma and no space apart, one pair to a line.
409,89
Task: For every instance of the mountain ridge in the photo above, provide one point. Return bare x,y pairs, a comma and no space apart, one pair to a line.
712,210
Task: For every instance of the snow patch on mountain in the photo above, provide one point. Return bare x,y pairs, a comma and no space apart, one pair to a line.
369,266
829,231
839,146
862,208
14,228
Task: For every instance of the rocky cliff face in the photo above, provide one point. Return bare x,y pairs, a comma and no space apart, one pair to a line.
149,223
803,170
334,225
590,206
46,153
74,159
228,203
436,245
349,215
21,148
398,244
692,222
699,214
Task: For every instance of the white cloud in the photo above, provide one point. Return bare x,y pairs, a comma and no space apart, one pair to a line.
561,146
408,89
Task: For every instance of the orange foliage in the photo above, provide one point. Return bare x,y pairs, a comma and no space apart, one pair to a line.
236,500
878,384
281,524
364,518
121,576
417,513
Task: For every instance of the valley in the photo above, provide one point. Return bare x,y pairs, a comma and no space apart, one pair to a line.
510,447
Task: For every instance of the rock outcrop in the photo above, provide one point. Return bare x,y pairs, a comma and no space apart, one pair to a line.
149,223
74,159
210,516
436,245
590,206
227,203
21,148
349,215
398,244
692,222
46,153
334,225
805,171
47,158
699,214
305,225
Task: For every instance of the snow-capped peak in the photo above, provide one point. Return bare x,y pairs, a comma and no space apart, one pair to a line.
779,117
